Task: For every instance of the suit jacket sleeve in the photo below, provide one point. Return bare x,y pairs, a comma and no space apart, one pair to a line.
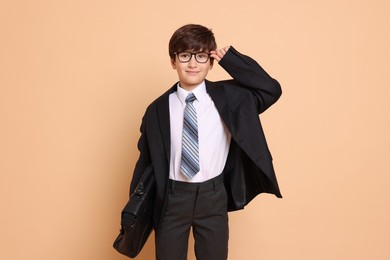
248,73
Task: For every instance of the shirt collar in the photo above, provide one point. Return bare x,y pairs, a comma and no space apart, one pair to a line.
199,92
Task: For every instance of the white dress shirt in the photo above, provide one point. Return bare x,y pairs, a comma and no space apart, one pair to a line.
214,138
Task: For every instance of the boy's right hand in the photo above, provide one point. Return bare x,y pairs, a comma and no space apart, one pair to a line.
218,54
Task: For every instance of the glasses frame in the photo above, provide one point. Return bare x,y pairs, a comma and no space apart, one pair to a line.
193,54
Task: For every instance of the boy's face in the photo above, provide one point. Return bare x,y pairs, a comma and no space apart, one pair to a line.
191,73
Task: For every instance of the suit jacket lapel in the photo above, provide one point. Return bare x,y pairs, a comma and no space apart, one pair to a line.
218,95
164,120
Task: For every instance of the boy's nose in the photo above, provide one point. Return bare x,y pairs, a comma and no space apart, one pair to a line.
192,62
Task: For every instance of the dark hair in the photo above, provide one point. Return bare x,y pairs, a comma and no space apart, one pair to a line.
192,37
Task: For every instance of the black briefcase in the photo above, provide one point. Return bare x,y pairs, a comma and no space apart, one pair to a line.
136,221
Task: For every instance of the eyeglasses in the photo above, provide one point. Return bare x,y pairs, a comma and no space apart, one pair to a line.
201,57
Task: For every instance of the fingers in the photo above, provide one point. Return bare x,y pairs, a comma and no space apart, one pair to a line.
215,55
218,54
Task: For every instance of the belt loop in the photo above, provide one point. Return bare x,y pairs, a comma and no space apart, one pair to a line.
172,187
214,184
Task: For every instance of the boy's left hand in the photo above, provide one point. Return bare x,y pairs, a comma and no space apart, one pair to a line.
218,54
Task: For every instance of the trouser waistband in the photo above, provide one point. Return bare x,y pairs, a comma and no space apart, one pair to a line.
193,186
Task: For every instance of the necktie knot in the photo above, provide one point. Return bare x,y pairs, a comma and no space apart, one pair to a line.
190,98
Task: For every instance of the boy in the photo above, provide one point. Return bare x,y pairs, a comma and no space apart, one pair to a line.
206,144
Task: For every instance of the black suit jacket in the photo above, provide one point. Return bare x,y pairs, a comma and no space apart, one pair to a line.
249,170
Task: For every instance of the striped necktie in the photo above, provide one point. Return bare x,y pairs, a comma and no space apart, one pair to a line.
190,147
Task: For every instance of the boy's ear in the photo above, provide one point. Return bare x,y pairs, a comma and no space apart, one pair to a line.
211,63
173,63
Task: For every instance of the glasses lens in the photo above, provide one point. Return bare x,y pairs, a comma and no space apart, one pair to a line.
202,57
184,56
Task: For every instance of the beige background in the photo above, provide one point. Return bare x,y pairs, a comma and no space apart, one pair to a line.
76,77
